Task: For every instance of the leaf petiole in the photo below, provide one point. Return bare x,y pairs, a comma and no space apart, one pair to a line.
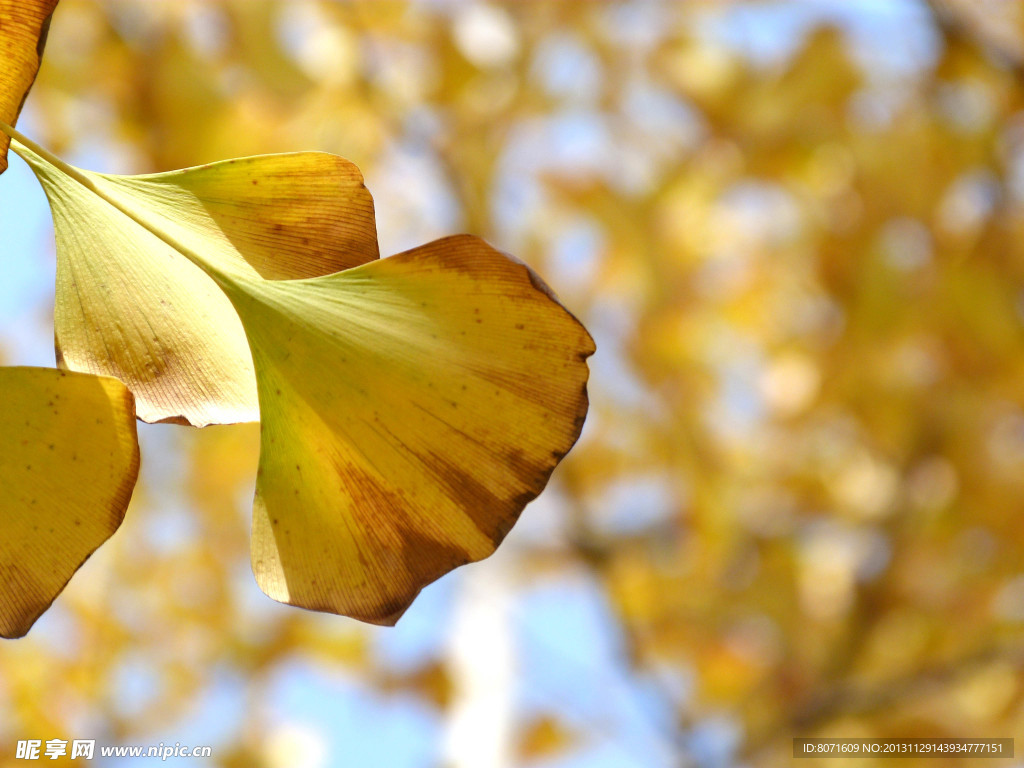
30,151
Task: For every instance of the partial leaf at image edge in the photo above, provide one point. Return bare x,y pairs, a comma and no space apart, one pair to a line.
23,28
69,459
131,306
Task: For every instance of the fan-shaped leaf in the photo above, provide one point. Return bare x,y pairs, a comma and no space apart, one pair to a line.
411,407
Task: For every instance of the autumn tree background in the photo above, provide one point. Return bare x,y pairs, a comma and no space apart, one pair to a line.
795,232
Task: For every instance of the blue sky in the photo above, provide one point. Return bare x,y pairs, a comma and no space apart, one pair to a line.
27,267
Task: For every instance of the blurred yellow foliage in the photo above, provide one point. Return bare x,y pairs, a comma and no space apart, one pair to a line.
801,252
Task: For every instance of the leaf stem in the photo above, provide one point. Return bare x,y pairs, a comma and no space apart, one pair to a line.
69,170
21,144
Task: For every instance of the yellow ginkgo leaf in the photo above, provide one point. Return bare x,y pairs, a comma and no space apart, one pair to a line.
68,462
131,306
23,28
411,407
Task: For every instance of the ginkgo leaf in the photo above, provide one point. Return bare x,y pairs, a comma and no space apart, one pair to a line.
131,306
69,459
411,408
23,28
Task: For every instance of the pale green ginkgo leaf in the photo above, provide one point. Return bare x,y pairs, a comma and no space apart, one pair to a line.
410,407
69,459
128,305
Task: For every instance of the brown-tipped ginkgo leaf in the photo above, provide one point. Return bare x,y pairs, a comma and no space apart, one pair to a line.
23,28
130,305
68,462
410,409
